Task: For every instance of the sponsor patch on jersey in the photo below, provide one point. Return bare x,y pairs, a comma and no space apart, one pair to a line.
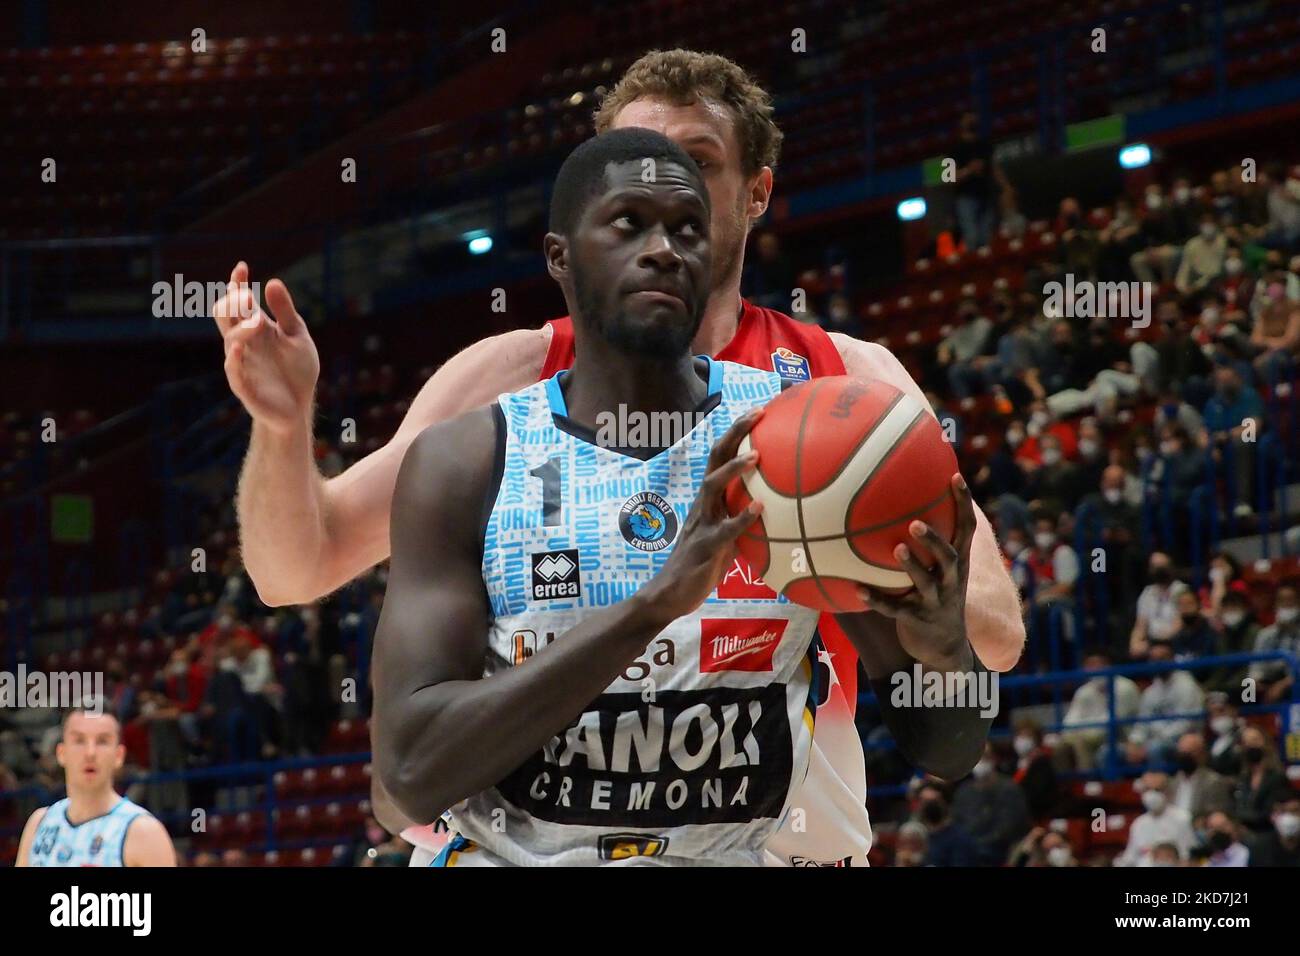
556,574
621,846
741,582
648,522
790,365
739,644
96,845
525,643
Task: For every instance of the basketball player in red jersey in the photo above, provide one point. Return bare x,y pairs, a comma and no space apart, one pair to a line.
303,536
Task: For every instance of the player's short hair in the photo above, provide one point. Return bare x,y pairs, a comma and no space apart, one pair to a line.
582,175
89,712
683,77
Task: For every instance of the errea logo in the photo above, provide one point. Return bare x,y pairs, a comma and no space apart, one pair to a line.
556,574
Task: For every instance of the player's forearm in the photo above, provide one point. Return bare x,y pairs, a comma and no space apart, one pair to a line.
994,623
281,520
454,739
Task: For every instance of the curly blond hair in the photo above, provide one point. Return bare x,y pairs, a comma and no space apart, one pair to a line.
683,77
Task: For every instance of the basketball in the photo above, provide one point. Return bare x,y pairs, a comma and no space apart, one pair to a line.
844,466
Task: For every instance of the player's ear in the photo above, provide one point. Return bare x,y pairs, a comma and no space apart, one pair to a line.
760,193
58,753
555,248
119,757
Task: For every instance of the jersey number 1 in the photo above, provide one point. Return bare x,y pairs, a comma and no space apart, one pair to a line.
549,473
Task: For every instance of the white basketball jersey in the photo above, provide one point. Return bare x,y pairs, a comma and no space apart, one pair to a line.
99,841
691,755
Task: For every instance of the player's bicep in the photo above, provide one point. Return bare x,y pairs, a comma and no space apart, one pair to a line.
148,844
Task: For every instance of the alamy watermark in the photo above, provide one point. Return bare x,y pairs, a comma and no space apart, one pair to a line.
59,689
179,299
1099,300
634,429
958,689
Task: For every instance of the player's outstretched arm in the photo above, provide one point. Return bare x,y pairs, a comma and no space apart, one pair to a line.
920,639
301,535
29,834
443,731
994,621
148,844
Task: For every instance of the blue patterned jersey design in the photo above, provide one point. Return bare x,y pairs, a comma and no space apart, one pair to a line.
690,755
100,841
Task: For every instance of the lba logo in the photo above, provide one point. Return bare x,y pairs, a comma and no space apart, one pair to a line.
791,366
556,575
739,644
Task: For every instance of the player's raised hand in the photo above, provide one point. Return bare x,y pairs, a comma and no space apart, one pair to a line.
271,361
706,545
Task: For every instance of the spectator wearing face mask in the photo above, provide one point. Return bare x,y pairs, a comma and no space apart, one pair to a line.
1117,241
1237,635
1054,564
1222,842
1056,483
1282,231
1035,772
1079,246
1274,677
1275,335
1110,521
1195,636
991,808
1161,823
1229,412
961,351
1224,733
1157,611
1184,207
1175,698
949,844
1196,788
1183,367
1085,721
1280,846
913,844
1159,240
1017,551
1043,847
1203,256
1262,784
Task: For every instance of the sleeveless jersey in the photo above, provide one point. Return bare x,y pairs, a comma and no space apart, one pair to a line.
99,841
691,755
837,829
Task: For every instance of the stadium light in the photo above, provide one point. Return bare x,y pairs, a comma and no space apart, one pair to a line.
479,242
1135,156
910,209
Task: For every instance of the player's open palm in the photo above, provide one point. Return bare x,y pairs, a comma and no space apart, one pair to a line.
706,545
271,361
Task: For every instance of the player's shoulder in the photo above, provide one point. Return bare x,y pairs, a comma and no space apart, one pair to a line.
37,816
518,354
480,372
147,842
456,445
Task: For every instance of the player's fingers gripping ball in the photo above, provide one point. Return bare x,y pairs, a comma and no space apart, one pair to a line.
844,466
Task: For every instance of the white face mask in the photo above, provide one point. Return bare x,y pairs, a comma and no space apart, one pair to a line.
1208,231
1088,447
1015,438
1232,267
1168,447
1024,746
1051,456
1044,539
1059,856
1014,548
1223,725
1154,800
1233,618
1285,615
1182,194
1113,495
1288,825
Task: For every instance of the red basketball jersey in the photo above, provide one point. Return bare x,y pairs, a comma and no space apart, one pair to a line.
797,351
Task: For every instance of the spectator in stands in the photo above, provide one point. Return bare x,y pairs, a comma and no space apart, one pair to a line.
1159,240
1165,854
771,276
839,316
1089,712
1183,367
1234,418
1079,247
1171,695
1274,677
1222,199
1157,611
1225,575
1237,635
1119,240
1055,567
1184,207
1055,484
960,349
978,178
1275,335
1172,410
1161,823
991,808
1223,842
949,844
1195,636
1282,230
1280,846
1202,260
913,844
1224,733
1196,788
1030,851
1261,783
1178,472
1035,773
1013,222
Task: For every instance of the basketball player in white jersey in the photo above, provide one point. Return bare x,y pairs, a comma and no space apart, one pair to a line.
94,825
553,662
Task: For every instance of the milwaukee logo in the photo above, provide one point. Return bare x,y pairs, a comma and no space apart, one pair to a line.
744,644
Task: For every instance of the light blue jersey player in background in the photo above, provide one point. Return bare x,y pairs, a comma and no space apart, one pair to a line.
94,825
